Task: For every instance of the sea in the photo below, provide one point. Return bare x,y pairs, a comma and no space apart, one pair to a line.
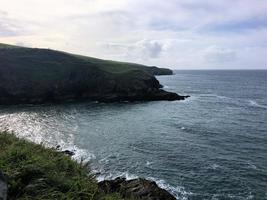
212,145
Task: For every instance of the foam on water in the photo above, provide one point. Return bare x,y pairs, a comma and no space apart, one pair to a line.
215,166
179,191
255,104
252,166
111,176
148,163
33,131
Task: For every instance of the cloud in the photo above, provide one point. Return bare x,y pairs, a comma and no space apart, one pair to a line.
259,22
149,48
7,26
173,33
215,54
143,50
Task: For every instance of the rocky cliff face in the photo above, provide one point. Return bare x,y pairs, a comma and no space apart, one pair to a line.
137,188
40,75
3,187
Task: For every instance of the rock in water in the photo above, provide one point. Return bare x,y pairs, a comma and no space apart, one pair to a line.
136,188
3,187
68,152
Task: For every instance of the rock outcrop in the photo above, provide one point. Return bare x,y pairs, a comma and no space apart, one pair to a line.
137,188
3,187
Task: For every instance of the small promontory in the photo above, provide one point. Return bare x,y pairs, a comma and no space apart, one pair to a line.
32,75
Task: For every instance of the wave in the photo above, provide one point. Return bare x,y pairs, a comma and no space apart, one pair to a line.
255,104
178,192
214,166
33,131
148,163
185,101
236,101
80,154
251,166
111,176
215,96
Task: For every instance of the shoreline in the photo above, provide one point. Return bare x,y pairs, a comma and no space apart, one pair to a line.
35,156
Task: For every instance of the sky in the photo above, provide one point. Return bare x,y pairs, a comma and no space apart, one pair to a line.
178,34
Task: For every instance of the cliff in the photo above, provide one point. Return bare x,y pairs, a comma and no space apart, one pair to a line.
31,75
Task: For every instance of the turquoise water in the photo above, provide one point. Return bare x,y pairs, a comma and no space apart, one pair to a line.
210,146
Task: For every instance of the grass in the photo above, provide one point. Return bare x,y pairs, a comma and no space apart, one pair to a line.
36,172
7,46
45,59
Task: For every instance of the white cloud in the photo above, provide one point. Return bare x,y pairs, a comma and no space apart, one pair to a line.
172,33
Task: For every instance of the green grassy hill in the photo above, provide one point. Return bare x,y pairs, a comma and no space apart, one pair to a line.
31,75
105,65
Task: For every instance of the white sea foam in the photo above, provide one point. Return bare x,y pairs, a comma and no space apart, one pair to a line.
185,101
214,96
215,166
33,131
252,166
183,128
255,104
250,197
110,176
179,191
166,87
148,163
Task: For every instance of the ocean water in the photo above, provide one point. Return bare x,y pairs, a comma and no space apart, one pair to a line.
211,146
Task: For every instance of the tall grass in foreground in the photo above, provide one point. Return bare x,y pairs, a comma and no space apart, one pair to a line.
35,172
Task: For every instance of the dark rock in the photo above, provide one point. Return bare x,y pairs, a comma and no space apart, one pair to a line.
68,152
3,187
136,188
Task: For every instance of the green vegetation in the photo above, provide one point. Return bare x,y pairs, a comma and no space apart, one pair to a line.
35,172
44,55
32,75
7,46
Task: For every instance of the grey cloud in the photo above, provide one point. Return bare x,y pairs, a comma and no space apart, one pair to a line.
151,48
252,23
145,49
206,6
166,24
118,18
6,30
3,13
8,27
219,55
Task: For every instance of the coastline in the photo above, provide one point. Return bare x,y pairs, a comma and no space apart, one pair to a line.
37,76
33,174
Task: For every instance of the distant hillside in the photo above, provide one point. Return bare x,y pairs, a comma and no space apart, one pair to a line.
31,75
106,65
